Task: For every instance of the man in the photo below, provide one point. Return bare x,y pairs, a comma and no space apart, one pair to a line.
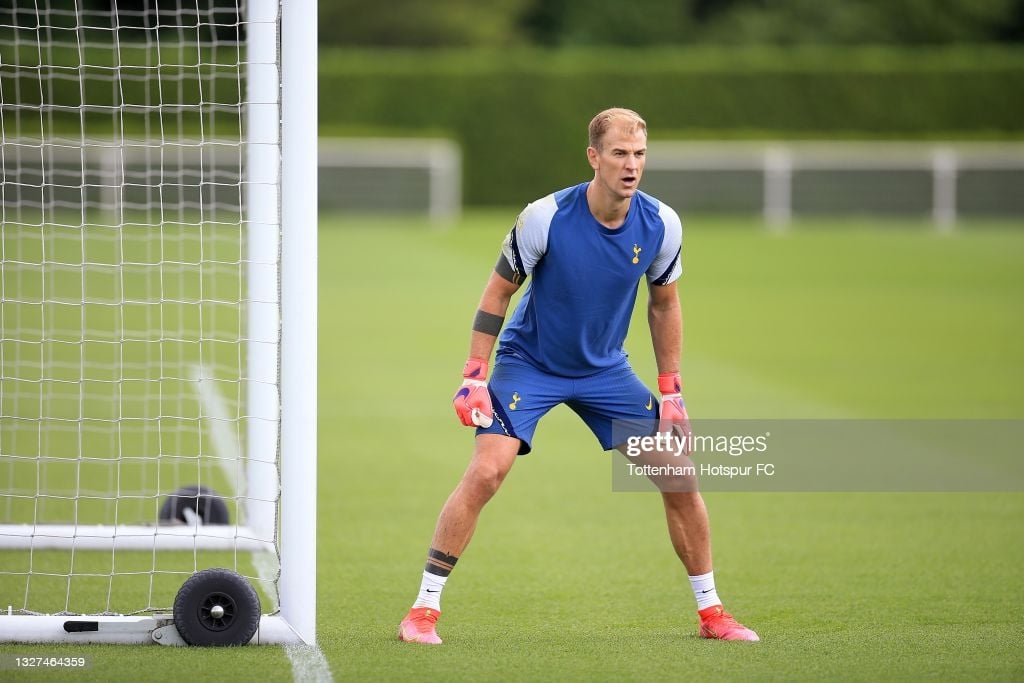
587,248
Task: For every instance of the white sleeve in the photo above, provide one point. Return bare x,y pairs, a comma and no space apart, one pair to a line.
668,264
527,242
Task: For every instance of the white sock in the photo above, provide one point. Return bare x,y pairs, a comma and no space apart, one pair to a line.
430,591
704,590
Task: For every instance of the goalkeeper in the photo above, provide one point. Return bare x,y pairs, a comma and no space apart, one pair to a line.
586,248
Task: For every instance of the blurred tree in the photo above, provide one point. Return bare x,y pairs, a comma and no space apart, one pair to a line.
416,23
544,22
59,13
1012,30
501,23
782,22
851,22
215,18
608,22
945,21
703,10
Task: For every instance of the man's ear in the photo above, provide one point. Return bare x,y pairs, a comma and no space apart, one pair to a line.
592,154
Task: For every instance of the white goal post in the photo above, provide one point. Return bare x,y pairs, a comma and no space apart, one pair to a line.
158,314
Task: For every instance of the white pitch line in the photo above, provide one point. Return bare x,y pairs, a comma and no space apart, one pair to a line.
308,664
308,661
225,445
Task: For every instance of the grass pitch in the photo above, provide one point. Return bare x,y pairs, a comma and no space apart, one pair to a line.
566,580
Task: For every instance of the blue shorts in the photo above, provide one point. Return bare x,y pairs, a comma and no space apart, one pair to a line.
614,403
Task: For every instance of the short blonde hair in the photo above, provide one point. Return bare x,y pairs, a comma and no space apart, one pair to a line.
600,124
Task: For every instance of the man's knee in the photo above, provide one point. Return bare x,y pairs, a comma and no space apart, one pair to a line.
484,479
490,465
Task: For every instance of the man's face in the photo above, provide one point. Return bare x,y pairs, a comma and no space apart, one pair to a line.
619,163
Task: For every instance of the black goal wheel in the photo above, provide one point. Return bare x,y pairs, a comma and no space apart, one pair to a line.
216,607
202,501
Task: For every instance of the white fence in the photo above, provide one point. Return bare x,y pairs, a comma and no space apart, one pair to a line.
391,174
780,181
108,179
783,180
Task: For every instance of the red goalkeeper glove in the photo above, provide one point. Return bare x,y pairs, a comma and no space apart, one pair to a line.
473,401
673,410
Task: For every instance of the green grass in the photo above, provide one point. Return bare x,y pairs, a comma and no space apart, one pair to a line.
567,580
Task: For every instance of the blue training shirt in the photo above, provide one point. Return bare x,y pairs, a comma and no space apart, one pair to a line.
574,315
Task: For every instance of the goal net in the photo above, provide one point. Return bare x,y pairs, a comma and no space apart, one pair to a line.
142,355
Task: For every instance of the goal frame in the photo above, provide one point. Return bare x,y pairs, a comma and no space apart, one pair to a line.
282,113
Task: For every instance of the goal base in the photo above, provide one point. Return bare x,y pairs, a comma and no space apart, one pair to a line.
140,630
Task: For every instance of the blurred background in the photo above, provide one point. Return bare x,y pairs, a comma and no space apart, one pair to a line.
429,107
512,84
